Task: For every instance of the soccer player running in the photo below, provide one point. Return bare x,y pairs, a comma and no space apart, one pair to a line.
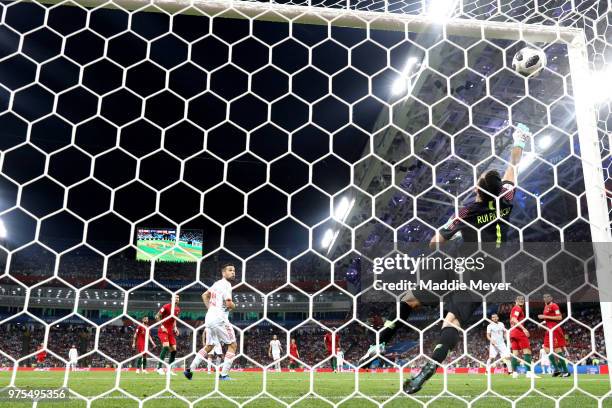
330,344
167,333
496,334
481,215
519,338
552,316
138,342
219,303
295,354
274,351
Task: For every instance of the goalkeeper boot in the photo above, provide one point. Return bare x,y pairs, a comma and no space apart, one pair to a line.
414,385
372,351
556,373
566,375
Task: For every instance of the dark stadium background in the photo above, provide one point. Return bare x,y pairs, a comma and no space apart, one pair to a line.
93,168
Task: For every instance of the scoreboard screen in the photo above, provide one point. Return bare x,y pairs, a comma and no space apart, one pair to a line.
162,245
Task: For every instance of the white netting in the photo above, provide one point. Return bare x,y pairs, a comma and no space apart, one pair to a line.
299,141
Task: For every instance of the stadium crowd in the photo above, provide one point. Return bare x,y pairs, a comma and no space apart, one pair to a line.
20,340
82,266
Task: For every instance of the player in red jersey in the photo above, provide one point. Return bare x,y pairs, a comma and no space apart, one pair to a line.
294,354
519,337
41,356
552,316
167,333
138,342
332,346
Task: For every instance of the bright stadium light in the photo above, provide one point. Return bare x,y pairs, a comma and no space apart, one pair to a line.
440,10
545,142
400,86
403,83
601,86
341,208
3,232
327,238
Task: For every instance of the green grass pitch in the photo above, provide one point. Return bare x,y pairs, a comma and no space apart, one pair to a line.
337,388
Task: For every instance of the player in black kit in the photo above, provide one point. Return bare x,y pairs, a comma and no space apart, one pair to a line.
479,216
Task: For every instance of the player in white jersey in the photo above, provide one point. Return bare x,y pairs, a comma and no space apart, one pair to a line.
219,303
545,362
496,334
73,356
340,360
274,351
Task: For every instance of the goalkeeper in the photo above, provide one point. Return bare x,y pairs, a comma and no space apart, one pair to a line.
481,215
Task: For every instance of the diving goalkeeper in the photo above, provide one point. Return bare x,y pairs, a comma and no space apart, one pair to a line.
480,215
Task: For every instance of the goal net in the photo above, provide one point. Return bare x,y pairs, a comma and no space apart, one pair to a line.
318,147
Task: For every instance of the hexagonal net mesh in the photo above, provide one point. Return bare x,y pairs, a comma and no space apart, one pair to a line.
145,145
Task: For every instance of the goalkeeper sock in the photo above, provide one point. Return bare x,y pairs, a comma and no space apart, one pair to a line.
144,363
138,363
562,363
553,362
172,357
200,356
333,363
162,357
391,328
227,363
449,337
527,358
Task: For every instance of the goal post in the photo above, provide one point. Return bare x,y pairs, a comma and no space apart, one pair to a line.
596,195
343,17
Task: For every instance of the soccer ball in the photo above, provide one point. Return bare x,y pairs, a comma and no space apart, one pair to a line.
529,61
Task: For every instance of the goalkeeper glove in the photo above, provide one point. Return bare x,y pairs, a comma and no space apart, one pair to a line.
521,135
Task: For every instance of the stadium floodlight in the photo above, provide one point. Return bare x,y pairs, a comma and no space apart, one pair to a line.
400,86
327,238
3,232
403,84
545,142
343,209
